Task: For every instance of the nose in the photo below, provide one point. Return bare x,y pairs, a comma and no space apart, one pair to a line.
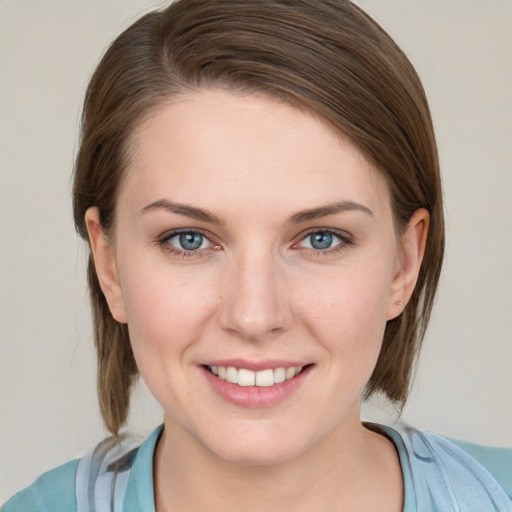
254,300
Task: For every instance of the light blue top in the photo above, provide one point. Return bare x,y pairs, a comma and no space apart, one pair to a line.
439,476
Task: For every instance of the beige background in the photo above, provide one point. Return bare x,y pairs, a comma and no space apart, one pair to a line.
48,49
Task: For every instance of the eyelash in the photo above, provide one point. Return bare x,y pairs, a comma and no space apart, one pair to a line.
345,240
163,241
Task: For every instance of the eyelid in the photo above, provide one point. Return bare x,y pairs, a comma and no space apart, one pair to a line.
166,235
164,238
344,237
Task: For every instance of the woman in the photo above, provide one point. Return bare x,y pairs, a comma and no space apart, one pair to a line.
259,185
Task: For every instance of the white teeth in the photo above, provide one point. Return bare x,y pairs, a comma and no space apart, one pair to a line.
246,377
262,378
290,372
265,378
279,375
231,375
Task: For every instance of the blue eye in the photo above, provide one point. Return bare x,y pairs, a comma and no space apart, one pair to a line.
187,241
324,240
321,240
190,241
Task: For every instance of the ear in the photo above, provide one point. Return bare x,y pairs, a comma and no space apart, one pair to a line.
410,256
104,261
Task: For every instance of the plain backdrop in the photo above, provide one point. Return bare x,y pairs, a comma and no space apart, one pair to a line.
48,49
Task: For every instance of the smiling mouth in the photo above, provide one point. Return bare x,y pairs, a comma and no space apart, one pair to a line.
248,378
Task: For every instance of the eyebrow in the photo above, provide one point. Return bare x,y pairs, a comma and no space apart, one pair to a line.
182,209
329,209
302,216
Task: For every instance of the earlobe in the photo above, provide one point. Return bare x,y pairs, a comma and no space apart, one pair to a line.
410,257
104,261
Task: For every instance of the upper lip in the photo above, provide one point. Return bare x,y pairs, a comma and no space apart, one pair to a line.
255,366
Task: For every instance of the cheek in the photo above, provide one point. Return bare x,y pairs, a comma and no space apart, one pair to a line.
167,308
347,311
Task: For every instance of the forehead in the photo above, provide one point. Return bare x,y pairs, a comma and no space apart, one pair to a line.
218,145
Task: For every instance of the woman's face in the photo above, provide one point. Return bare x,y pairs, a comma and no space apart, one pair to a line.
250,244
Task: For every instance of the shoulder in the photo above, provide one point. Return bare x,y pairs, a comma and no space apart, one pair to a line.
53,491
116,467
498,461
458,474
442,474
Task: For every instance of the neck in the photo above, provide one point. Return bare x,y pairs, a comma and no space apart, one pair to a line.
353,469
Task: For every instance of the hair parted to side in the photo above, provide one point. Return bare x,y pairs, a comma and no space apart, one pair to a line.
326,57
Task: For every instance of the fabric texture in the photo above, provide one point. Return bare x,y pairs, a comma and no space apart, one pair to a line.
440,475
53,491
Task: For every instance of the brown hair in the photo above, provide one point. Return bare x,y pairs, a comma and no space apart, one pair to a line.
326,57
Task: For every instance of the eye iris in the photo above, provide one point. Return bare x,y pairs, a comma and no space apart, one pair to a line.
191,241
321,240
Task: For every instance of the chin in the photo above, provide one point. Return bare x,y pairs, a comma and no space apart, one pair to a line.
257,455
258,445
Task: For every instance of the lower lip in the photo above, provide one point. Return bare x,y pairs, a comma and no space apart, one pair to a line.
254,396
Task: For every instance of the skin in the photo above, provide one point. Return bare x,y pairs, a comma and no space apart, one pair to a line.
258,290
